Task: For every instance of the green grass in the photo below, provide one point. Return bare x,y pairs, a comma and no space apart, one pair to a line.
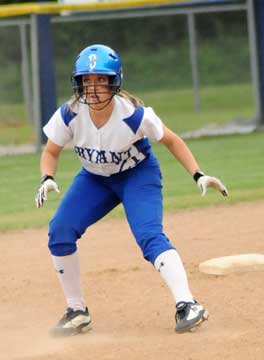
17,135
15,129
236,159
219,105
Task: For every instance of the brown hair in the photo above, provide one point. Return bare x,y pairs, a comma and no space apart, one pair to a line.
132,98
72,102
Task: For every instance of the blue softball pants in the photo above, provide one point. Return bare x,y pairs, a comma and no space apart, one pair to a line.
90,197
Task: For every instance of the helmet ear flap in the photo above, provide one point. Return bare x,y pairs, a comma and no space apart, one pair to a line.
77,85
115,83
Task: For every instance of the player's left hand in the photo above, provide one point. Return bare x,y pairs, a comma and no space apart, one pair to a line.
205,181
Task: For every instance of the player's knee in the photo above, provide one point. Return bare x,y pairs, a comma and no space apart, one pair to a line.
153,244
61,249
62,238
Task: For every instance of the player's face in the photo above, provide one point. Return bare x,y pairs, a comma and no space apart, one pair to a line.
96,88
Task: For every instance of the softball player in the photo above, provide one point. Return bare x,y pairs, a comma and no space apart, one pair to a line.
110,130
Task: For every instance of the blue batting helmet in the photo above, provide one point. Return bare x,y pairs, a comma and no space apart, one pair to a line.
98,59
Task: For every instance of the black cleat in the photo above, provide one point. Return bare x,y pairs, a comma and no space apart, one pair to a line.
73,322
189,316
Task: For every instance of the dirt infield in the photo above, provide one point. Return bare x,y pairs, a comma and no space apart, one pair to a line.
132,310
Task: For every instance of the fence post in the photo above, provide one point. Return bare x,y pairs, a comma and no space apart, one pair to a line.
27,93
193,59
43,76
256,40
35,80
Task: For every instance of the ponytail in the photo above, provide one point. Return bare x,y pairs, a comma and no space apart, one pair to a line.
132,98
72,102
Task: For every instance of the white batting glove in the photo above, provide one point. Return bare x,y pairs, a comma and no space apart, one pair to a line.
47,184
204,182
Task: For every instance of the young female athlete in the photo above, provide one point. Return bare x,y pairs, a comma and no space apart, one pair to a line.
110,130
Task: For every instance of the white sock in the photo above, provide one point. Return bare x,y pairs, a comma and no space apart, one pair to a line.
68,271
170,266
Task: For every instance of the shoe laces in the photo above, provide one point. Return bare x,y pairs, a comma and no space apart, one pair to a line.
182,307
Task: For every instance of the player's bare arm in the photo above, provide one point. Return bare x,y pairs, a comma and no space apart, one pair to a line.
179,150
48,165
183,154
49,159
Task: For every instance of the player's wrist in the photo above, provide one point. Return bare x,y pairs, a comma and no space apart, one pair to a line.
45,178
197,175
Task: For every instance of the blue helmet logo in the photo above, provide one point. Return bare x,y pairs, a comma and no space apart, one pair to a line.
98,59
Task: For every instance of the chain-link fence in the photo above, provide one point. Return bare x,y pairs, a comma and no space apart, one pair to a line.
155,51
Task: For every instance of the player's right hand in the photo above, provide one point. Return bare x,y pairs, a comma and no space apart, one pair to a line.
47,184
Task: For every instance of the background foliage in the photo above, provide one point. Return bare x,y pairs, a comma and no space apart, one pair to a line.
154,50
156,62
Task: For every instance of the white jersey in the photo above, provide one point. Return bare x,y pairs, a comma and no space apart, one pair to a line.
120,144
